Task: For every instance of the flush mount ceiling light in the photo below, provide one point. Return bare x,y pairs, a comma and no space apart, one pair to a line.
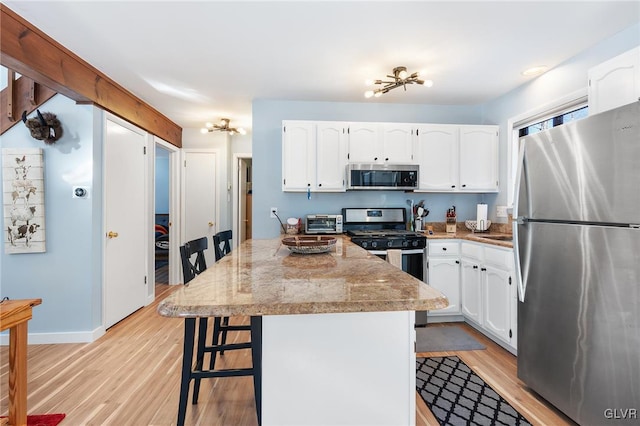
400,78
222,127
534,71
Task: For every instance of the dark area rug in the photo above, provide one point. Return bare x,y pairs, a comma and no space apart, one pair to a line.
44,419
434,338
457,396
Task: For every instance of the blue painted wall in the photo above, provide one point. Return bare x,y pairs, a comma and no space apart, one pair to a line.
68,275
162,181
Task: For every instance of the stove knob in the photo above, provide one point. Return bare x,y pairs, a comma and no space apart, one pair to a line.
364,244
389,243
374,244
405,244
415,243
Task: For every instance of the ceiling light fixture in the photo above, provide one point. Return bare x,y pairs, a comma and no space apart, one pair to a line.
534,71
222,127
400,79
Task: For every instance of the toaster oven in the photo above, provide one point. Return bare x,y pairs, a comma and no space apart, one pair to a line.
323,224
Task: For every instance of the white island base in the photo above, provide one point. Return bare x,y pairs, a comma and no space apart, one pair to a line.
339,369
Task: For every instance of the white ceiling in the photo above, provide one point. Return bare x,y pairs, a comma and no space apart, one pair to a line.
199,61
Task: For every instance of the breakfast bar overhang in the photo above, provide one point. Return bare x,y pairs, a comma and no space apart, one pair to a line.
336,329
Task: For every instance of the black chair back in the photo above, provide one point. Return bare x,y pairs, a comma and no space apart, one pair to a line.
222,244
192,268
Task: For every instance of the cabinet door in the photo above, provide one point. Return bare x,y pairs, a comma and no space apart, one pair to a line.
615,82
397,143
331,156
470,290
497,302
298,156
365,144
479,158
444,275
436,151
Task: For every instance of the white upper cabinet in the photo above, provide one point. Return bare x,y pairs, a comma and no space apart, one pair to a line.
397,143
313,156
457,158
436,152
331,156
381,143
615,82
298,155
479,158
365,142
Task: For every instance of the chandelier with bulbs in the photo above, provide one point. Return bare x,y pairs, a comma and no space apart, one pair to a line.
222,127
400,78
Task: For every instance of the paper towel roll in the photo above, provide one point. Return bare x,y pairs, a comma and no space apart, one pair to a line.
481,217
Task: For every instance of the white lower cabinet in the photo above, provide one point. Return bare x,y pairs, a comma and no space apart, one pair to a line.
444,273
488,293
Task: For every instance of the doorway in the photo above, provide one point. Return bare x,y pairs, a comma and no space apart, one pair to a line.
242,198
166,217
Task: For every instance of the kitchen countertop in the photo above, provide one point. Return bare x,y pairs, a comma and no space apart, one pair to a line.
477,237
262,277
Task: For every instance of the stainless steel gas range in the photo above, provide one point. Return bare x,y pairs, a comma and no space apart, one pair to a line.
380,229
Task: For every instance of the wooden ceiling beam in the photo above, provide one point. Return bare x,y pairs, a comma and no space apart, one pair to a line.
30,52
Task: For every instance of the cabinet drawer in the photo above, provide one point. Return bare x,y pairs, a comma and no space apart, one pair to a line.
472,250
501,258
444,248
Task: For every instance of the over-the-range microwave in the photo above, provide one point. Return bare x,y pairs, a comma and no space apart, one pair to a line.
382,176
323,224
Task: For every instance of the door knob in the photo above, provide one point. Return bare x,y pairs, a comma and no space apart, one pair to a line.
112,234
210,223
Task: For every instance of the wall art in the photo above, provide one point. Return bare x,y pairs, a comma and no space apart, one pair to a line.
23,199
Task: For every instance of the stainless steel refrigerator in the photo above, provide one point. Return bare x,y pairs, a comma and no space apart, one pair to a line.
577,245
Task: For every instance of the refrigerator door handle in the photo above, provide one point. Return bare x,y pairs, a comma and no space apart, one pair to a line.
521,182
521,285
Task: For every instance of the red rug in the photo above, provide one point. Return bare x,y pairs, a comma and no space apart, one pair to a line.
44,419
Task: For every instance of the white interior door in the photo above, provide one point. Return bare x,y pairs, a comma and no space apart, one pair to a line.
125,266
200,207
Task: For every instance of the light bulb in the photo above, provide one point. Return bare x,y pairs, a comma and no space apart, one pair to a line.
203,130
368,82
224,122
242,131
208,125
378,94
368,93
402,74
428,83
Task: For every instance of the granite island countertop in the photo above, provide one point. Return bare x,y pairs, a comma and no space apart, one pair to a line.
262,277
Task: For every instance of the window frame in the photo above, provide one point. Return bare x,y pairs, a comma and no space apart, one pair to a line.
567,103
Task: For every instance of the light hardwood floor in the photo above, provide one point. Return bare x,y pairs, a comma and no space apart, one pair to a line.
130,376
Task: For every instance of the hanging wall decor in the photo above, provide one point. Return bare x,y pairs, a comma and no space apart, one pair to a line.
23,195
45,127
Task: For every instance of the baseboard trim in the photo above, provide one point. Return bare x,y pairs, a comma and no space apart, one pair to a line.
58,338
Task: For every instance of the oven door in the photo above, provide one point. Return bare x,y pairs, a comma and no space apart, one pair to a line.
414,263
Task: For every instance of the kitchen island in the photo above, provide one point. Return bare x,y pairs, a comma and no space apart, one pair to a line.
337,329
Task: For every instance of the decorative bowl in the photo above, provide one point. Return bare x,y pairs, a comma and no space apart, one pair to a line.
309,244
473,226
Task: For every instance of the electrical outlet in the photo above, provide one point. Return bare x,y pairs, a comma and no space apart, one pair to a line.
501,211
273,212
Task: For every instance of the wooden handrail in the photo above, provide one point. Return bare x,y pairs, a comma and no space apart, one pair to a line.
32,53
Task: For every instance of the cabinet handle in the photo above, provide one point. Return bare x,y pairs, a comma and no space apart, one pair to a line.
444,248
464,186
375,159
475,266
319,184
386,159
458,262
483,269
453,186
